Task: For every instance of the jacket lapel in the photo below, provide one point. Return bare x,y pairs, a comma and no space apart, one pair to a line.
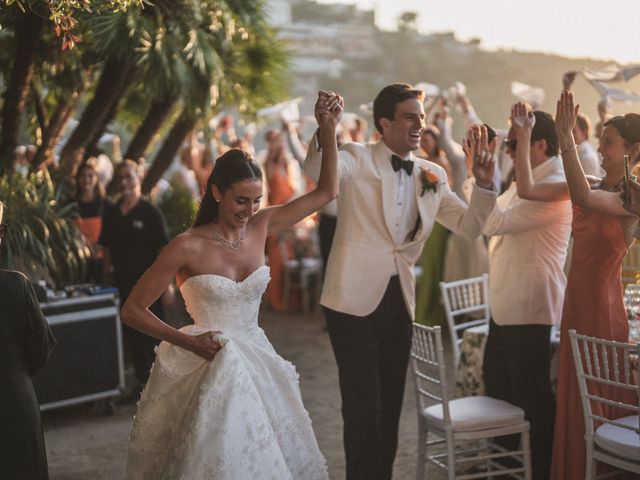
388,184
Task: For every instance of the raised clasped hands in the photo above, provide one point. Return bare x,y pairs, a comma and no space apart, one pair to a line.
207,344
477,144
522,118
328,109
566,114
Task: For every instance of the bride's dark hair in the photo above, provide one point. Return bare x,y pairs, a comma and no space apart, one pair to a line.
233,166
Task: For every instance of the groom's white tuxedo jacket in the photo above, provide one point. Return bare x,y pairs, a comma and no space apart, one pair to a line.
364,254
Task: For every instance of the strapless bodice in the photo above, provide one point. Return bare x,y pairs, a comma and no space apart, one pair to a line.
219,303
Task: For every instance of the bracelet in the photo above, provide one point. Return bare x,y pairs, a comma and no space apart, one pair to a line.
575,146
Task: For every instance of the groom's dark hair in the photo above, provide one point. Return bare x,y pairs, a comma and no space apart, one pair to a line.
384,106
545,129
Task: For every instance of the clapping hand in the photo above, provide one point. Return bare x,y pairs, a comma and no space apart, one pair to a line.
522,118
483,160
566,114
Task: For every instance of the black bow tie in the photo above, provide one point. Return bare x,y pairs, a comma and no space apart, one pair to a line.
397,163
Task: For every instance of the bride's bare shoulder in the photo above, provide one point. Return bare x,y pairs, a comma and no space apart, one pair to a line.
191,241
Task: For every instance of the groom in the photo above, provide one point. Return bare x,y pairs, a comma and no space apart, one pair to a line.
388,202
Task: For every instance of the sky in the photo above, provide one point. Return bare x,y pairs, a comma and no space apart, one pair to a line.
605,29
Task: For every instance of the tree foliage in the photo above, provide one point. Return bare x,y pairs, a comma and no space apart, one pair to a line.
158,66
128,62
61,13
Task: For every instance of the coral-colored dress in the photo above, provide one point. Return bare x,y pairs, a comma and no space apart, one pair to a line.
593,305
280,191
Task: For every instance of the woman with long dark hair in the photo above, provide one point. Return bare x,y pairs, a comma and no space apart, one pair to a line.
593,304
92,204
220,403
602,232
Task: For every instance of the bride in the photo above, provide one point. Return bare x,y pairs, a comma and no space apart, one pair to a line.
220,403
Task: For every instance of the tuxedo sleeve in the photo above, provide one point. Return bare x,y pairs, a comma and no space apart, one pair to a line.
347,162
454,214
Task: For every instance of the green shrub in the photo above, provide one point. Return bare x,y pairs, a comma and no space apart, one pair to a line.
179,209
41,240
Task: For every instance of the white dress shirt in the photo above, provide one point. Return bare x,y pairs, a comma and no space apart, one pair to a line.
406,207
527,251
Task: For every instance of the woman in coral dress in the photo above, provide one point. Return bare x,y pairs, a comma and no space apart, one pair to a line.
283,184
593,302
602,228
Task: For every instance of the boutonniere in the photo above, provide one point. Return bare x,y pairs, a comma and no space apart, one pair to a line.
429,180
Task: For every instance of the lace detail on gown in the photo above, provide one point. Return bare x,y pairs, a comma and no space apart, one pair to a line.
239,416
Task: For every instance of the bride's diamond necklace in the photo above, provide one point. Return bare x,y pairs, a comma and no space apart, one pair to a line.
233,245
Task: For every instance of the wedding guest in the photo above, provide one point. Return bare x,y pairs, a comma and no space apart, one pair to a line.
185,176
358,130
604,107
593,305
588,156
92,205
388,202
133,232
452,149
527,251
429,309
284,182
25,345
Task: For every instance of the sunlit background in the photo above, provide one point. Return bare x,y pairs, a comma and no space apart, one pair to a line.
578,28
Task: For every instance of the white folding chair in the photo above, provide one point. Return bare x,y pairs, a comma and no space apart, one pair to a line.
465,425
466,304
606,368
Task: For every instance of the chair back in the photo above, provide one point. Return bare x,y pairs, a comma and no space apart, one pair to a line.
605,371
427,361
631,264
466,304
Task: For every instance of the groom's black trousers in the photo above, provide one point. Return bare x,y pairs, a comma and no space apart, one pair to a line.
372,353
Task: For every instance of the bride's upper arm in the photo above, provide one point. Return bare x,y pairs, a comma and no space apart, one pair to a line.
173,257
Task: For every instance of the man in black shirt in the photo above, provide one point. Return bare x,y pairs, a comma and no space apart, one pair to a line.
133,232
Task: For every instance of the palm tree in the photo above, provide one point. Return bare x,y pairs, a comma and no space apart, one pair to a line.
153,121
28,27
223,62
112,40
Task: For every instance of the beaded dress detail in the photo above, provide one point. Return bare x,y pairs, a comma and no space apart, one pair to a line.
239,416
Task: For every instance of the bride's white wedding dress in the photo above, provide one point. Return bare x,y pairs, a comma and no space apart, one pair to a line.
239,416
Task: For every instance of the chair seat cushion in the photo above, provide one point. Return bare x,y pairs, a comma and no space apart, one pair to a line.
620,441
470,414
